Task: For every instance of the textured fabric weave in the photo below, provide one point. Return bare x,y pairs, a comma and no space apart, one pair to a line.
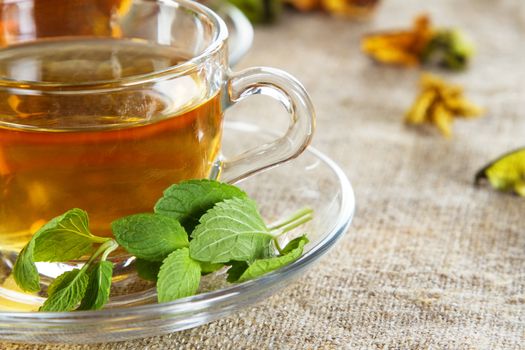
430,261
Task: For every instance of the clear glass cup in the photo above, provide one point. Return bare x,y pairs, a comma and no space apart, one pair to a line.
105,103
240,30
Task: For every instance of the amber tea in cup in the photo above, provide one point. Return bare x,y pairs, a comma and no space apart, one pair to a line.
110,154
105,114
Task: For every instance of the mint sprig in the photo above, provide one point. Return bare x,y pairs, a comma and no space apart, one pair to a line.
199,227
65,237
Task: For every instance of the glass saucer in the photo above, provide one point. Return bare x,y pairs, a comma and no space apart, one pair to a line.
311,180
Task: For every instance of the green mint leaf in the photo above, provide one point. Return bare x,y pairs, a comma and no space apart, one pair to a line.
150,236
189,200
147,270
231,230
291,252
97,292
66,291
25,272
65,238
179,276
61,281
236,270
295,244
207,267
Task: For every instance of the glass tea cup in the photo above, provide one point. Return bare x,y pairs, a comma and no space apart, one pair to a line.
105,103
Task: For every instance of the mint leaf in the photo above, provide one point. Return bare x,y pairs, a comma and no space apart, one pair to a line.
65,238
231,230
189,200
207,267
25,272
236,270
291,252
97,291
179,276
66,291
147,270
150,237
61,281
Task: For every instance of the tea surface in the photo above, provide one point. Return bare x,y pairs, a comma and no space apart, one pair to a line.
111,153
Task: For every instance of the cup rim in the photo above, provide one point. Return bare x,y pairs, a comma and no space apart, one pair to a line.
220,36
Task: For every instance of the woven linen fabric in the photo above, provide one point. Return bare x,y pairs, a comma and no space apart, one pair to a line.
430,261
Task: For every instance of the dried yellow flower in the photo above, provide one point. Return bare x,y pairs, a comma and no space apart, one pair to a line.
422,44
439,103
402,47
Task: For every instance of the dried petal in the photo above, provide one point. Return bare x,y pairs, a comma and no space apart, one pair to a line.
463,108
418,113
442,118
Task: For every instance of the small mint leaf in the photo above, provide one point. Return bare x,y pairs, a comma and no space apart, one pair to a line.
67,291
179,276
189,200
147,270
61,281
99,285
25,272
150,236
231,230
65,237
291,252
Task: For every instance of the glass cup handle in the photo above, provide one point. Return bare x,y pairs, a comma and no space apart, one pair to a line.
292,95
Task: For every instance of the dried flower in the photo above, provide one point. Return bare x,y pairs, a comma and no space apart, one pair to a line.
403,47
439,103
448,48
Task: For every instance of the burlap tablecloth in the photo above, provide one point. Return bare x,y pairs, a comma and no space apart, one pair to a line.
430,261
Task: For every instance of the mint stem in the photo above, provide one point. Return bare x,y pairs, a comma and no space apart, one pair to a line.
102,240
277,245
297,219
298,214
111,247
295,224
105,249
